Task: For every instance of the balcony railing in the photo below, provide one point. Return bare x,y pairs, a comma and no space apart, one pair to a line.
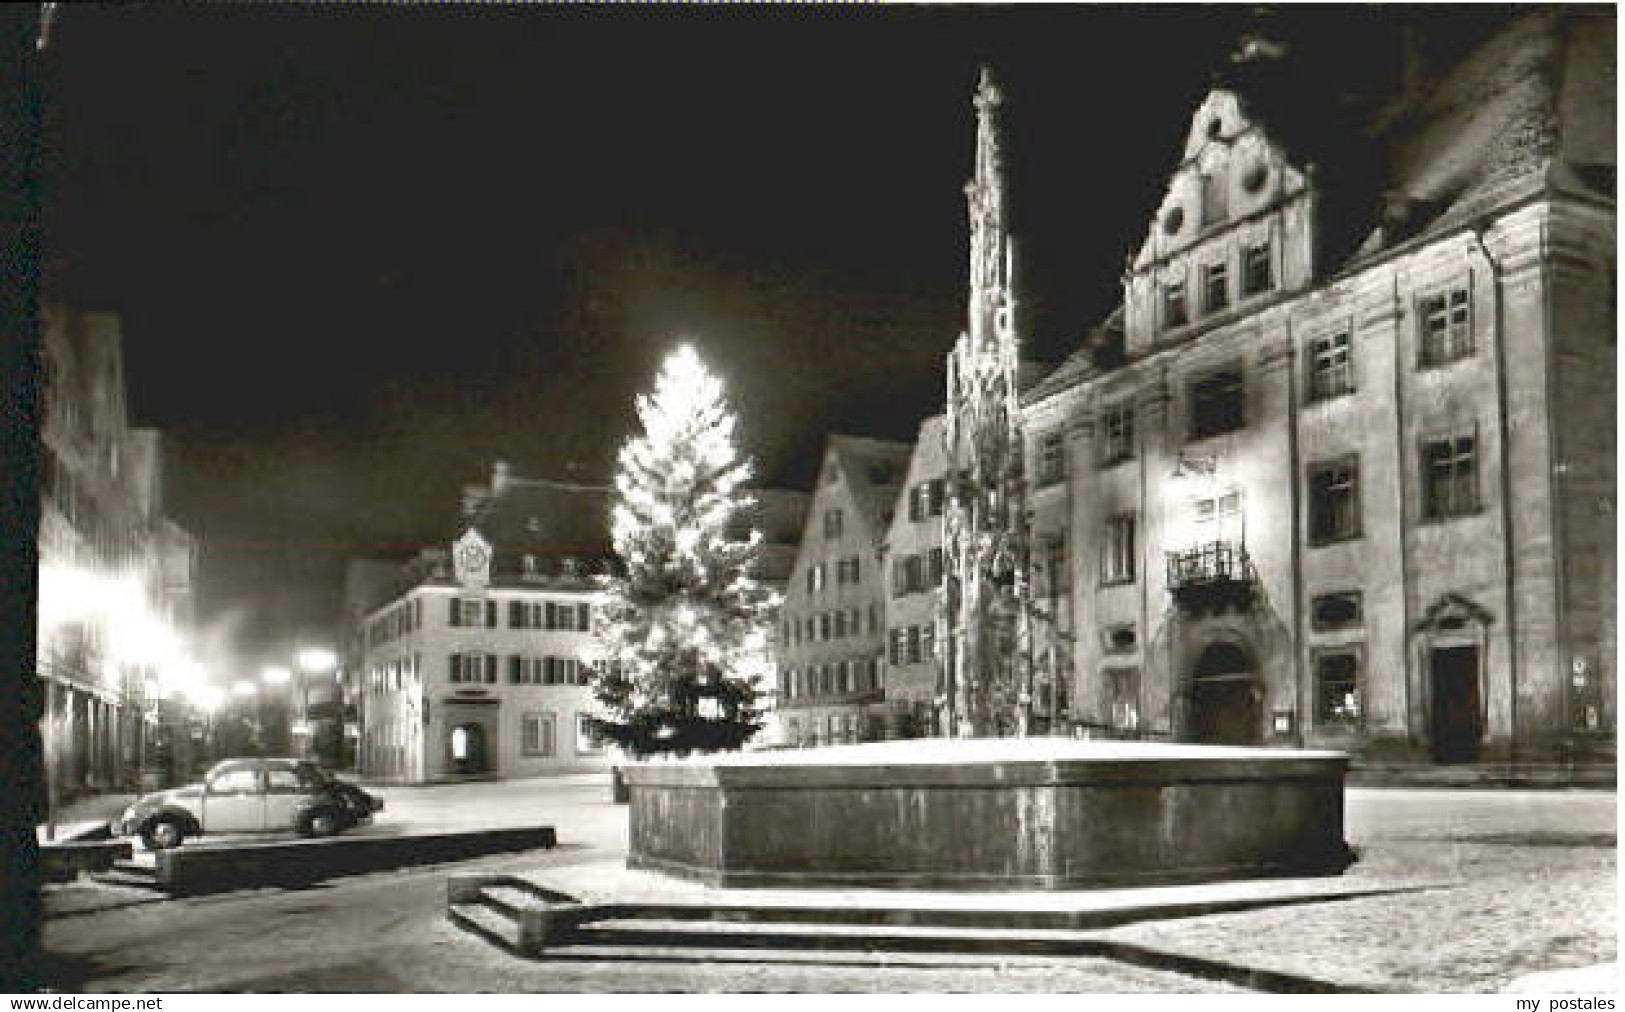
1212,577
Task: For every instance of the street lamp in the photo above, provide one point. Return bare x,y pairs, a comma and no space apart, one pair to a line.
310,660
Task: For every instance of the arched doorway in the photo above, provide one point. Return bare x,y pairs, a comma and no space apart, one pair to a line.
1226,705
468,753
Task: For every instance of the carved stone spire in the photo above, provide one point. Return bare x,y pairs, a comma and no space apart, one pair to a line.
982,626
992,301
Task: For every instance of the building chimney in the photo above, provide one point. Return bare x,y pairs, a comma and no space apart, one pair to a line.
499,477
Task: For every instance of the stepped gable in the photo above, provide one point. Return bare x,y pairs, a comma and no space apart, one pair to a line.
875,470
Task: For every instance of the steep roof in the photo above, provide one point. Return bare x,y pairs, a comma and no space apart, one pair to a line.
1531,105
875,470
552,521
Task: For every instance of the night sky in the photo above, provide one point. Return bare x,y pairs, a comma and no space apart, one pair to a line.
361,253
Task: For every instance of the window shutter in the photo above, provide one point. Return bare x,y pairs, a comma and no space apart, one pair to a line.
584,617
456,665
513,669
456,615
516,615
490,614
491,666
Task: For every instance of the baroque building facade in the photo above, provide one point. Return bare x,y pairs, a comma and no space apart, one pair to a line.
1352,486
1339,469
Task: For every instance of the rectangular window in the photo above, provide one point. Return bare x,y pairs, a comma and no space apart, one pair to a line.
1217,403
1331,374
1258,274
1447,332
1334,501
840,625
825,626
584,617
586,741
832,523
815,578
917,503
934,567
1449,477
537,733
928,642
1174,311
1215,287
1116,433
470,613
1117,554
1337,688
914,656
1051,458
937,490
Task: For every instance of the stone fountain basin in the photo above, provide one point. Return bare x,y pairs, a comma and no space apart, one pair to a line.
1033,813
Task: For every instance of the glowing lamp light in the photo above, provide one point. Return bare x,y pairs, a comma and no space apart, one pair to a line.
244,689
275,674
207,697
316,660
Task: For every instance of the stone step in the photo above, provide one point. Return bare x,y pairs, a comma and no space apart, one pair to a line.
487,922
815,935
509,900
127,875
1557,775
823,944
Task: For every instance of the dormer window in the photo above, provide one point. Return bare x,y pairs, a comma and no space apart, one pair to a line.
1174,311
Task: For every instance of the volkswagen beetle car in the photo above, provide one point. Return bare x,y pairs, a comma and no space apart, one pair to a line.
250,796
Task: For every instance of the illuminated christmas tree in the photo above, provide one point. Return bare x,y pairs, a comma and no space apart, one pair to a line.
683,631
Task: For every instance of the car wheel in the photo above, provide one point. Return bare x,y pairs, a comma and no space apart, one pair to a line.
164,834
320,823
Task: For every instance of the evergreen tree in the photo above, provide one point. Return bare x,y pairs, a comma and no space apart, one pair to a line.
682,635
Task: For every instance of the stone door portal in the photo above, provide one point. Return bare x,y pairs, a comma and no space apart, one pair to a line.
1457,718
1226,707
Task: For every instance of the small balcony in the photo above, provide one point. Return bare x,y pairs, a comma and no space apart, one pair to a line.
1212,577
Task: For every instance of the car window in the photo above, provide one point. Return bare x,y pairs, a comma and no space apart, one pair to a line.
235,781
310,777
284,781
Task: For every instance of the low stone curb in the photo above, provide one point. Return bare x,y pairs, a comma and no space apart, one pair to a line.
202,869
